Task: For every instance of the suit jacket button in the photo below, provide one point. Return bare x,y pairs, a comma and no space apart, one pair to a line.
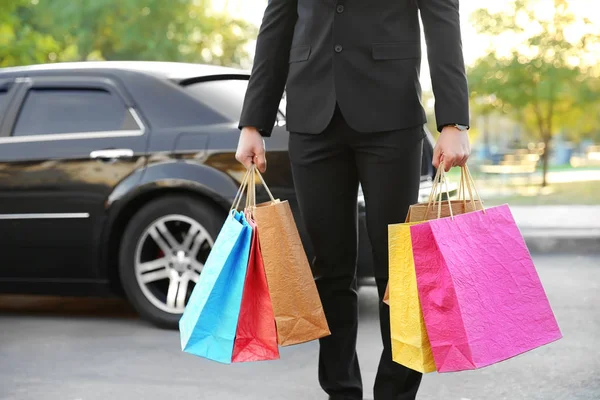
338,48
340,9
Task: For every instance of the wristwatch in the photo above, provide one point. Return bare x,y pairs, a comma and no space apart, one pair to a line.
461,128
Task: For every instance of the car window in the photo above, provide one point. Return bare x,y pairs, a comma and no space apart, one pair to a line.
225,96
49,111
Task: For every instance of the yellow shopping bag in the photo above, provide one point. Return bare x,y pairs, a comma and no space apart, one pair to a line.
410,344
436,208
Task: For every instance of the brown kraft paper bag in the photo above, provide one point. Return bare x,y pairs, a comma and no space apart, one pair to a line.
419,212
299,314
431,209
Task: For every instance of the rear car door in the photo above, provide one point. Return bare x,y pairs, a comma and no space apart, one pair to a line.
65,143
225,95
7,92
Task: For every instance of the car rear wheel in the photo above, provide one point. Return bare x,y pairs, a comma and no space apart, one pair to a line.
163,251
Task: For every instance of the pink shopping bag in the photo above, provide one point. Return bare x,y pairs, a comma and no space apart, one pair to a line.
482,299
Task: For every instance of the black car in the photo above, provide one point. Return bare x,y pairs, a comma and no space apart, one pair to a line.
115,177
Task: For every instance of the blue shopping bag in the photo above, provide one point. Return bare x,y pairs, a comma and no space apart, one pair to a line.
209,322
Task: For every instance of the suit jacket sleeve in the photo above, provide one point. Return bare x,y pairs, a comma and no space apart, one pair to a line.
270,69
444,50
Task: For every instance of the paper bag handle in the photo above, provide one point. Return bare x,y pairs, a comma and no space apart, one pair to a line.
437,182
238,197
265,186
469,183
248,187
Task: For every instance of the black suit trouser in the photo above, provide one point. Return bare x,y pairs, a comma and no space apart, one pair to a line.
327,169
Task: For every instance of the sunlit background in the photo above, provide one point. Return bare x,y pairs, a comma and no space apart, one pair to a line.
474,45
507,137
533,68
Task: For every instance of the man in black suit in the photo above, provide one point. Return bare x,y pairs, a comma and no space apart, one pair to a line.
351,73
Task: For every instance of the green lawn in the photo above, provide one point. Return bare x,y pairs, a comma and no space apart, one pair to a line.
568,167
454,173
585,193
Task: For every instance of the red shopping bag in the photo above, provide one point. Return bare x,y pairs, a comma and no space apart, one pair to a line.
256,335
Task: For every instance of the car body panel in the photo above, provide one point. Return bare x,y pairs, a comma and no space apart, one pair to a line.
62,212
52,190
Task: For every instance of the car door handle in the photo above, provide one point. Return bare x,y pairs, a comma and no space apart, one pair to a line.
111,154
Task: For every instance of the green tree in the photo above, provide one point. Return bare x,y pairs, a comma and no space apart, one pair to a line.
20,42
485,107
542,80
156,30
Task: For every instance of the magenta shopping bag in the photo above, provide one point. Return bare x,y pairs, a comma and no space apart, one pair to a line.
482,299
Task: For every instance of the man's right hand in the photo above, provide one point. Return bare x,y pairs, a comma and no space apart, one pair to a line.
251,149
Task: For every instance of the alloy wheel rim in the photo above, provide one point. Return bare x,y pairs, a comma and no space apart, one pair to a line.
169,259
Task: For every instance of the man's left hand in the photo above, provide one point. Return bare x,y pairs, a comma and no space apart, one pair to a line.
452,148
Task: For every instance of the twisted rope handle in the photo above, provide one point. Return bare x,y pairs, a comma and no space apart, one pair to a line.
471,185
238,197
443,176
248,187
437,183
467,184
265,185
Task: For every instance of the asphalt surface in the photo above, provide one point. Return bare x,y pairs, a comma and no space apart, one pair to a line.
54,348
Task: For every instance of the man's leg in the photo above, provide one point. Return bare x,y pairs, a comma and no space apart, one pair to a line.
326,182
389,165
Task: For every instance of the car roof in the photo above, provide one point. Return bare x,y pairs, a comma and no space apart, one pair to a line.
176,71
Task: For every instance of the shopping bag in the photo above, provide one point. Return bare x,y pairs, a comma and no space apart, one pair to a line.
436,207
209,323
256,336
481,297
422,212
410,343
297,306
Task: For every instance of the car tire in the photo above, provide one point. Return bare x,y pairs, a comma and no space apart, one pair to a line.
183,207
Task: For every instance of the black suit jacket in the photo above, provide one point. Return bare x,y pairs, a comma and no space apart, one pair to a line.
363,54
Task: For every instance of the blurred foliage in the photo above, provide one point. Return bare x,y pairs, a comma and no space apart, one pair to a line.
542,82
20,41
37,31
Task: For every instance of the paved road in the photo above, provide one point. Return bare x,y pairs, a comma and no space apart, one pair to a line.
88,349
